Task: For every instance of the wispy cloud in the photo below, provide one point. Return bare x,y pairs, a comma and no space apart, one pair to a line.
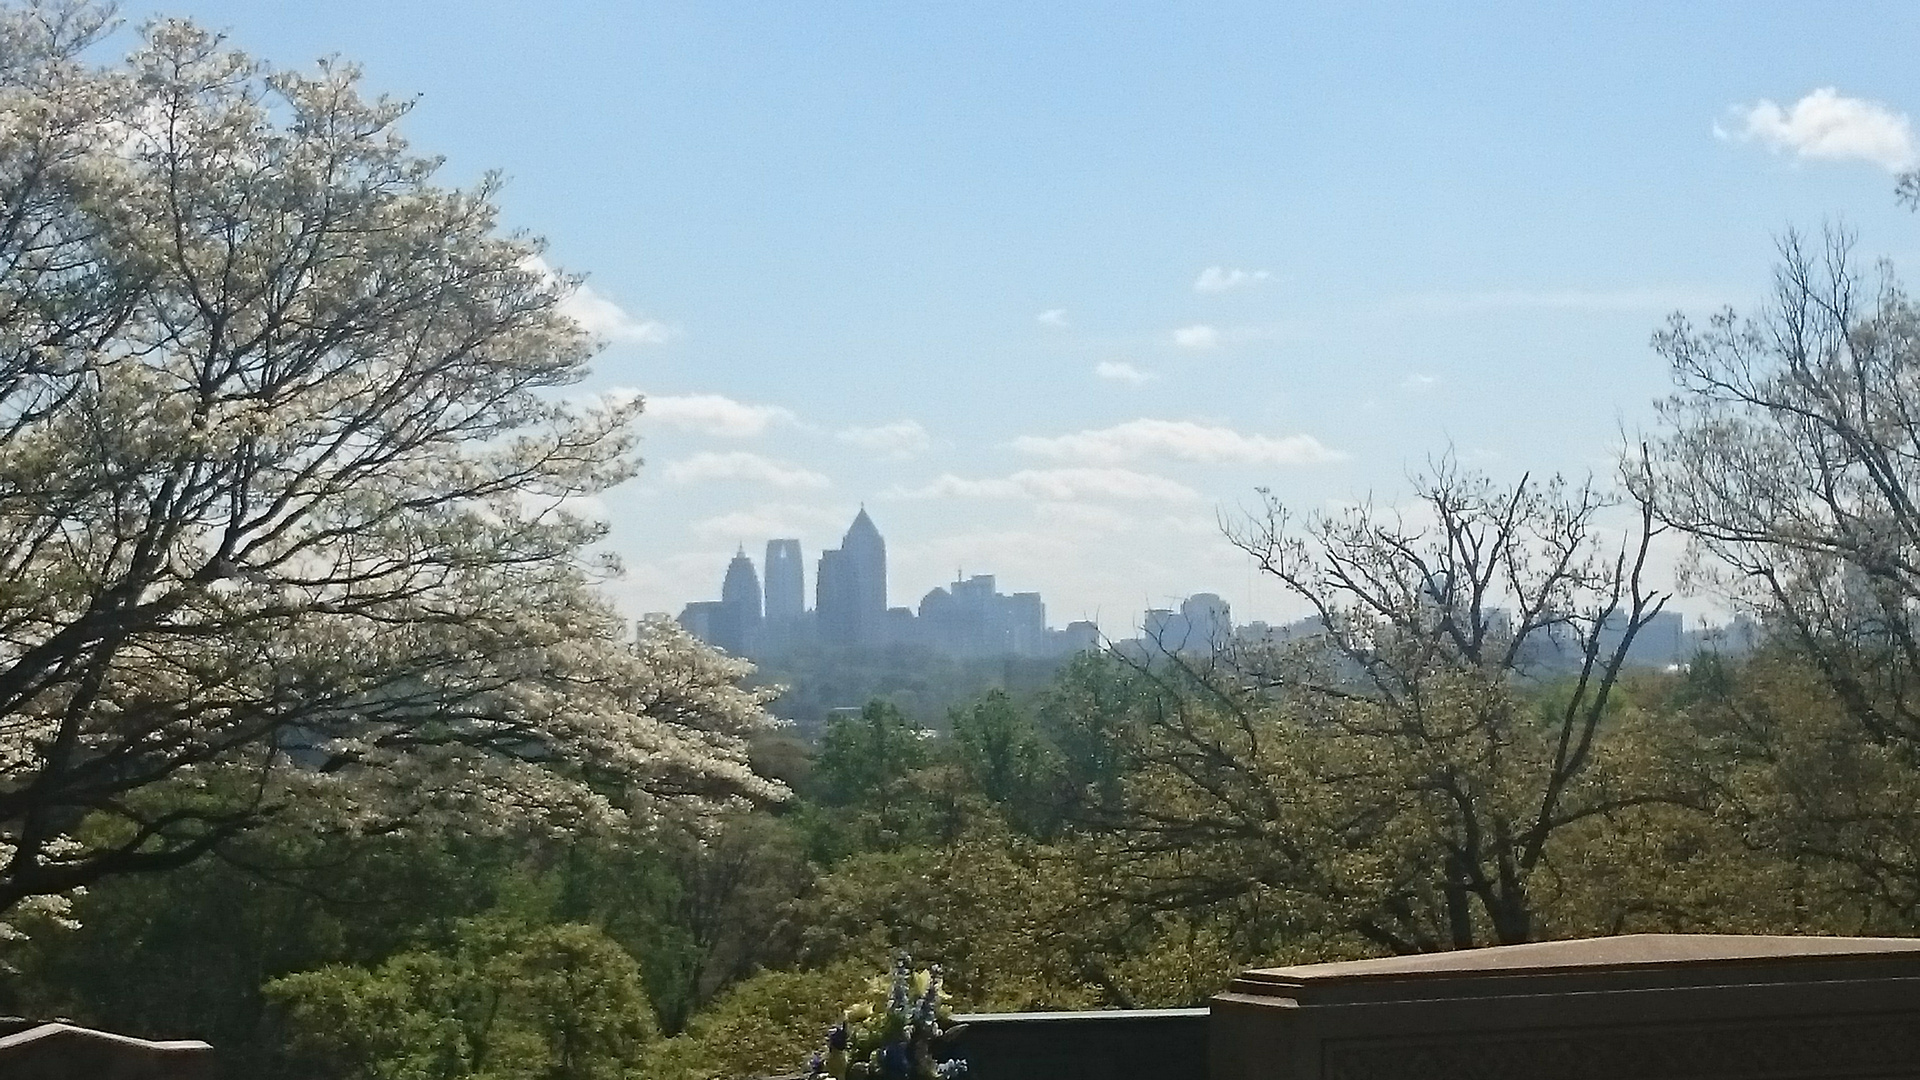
1414,384
769,520
599,315
715,414
610,322
900,439
740,466
1218,279
1198,338
1054,317
1120,371
1060,485
1826,126
1180,439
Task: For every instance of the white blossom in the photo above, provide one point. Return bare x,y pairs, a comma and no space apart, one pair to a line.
273,408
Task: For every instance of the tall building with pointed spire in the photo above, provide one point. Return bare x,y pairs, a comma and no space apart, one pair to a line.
738,628
850,597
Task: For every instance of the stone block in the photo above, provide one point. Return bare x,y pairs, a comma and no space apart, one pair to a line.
1638,1007
66,1052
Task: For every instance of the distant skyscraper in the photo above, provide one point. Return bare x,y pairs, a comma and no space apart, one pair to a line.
1203,624
1024,623
1209,622
742,586
832,599
786,582
850,597
738,628
1079,636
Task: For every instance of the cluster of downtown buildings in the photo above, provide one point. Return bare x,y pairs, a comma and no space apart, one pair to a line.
764,613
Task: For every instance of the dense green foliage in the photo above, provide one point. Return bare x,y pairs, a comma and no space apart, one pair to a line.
499,1000
1006,851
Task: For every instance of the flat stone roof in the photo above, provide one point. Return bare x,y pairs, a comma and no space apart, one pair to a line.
1632,959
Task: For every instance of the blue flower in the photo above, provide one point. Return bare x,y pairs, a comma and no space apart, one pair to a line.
929,1001
902,977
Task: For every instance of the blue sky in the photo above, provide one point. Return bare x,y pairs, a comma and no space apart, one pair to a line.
1052,288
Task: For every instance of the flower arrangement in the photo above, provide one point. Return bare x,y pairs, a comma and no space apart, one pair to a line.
890,1036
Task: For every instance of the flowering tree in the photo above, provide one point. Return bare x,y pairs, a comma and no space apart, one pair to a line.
286,483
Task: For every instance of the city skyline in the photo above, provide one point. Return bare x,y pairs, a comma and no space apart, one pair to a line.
782,593
968,617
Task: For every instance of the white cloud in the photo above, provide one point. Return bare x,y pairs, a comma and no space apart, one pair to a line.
598,315
769,520
1414,384
900,439
1054,317
1120,371
1197,337
1060,485
1826,126
609,321
714,414
739,465
1217,279
1182,439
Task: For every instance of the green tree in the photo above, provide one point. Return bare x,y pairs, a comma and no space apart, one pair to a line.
186,953
764,1026
1006,759
700,910
877,784
501,1002
1829,815
864,759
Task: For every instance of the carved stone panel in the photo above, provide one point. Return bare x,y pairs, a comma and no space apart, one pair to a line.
1639,1007
1886,1045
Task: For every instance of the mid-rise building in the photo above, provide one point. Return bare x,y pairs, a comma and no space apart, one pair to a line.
1209,622
1081,635
1203,624
971,617
703,619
